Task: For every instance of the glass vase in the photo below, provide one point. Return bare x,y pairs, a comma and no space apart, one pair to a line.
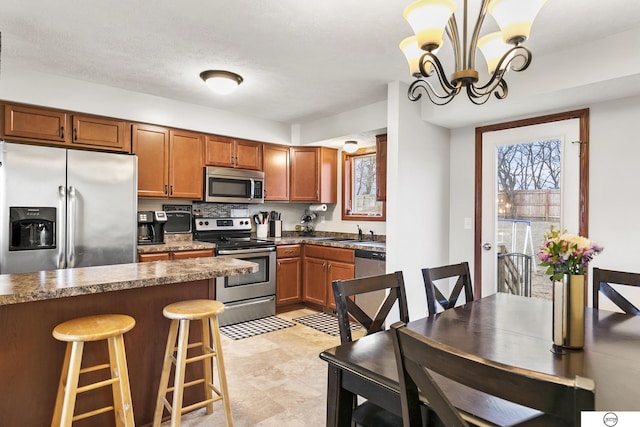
568,312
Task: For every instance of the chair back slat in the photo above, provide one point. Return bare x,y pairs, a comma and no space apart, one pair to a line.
418,357
347,308
602,280
463,282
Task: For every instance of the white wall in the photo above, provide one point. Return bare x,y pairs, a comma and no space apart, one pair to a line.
30,87
417,195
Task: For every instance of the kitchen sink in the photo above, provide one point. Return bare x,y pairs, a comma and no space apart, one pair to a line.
325,239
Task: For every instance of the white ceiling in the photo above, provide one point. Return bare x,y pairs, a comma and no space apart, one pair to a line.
300,59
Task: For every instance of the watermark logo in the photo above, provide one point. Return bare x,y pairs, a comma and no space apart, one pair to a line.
610,419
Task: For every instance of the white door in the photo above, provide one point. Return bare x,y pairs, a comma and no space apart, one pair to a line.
528,241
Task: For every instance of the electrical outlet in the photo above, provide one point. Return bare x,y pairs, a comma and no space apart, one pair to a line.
467,223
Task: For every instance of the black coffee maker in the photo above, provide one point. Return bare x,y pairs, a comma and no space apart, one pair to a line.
151,227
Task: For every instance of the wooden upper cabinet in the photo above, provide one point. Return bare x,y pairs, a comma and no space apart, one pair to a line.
25,123
314,174
100,132
381,168
233,153
186,164
151,145
276,171
169,162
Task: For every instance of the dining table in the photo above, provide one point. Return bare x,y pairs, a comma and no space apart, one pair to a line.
513,330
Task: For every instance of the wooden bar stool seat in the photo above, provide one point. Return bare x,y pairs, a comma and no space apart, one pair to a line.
181,313
76,332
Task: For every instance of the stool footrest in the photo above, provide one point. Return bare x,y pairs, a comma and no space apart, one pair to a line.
92,413
199,405
99,384
94,368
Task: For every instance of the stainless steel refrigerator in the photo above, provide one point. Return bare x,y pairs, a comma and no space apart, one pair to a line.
64,208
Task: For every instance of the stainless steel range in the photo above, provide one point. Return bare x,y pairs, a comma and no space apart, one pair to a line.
248,296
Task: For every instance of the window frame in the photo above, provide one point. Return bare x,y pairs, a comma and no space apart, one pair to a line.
347,159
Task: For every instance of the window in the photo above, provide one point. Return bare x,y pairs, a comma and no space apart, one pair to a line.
360,199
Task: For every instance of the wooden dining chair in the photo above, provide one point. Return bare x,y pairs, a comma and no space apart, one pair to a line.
460,272
346,296
602,281
558,399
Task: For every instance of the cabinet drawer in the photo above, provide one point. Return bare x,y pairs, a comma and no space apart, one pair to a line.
288,251
195,253
334,254
156,256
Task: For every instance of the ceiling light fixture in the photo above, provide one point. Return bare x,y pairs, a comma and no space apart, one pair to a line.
350,146
503,50
221,81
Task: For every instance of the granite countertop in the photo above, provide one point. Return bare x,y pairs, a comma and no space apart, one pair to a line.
42,285
177,245
369,245
184,243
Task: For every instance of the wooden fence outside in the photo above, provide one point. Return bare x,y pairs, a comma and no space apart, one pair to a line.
531,204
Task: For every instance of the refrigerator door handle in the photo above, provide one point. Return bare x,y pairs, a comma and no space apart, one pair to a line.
71,228
62,200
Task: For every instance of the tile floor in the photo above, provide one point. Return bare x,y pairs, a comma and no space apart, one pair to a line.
275,379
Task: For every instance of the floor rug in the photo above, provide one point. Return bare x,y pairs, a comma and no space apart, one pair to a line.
255,327
324,322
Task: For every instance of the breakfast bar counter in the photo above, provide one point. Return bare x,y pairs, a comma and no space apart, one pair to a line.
32,304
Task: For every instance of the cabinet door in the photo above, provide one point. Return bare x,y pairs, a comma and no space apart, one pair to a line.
337,271
35,124
381,168
156,256
248,154
151,145
185,164
305,174
315,280
288,281
196,253
276,172
219,151
100,133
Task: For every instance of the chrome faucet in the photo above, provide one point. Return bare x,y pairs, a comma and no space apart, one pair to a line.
373,237
359,233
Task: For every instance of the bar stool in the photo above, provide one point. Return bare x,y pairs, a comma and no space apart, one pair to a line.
181,313
76,332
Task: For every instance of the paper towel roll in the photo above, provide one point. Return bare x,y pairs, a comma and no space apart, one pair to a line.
318,208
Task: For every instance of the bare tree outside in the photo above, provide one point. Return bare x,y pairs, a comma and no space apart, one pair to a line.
529,187
364,185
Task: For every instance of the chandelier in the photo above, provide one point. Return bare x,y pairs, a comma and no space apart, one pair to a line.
503,50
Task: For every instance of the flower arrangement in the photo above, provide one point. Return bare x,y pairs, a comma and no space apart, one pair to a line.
566,253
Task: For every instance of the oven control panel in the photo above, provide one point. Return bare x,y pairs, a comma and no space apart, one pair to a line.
221,224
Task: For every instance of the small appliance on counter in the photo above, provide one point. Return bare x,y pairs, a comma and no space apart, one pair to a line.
151,227
179,219
307,220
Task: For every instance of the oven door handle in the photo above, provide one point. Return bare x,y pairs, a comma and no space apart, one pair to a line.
245,251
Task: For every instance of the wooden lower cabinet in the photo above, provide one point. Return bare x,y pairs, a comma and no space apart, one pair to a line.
322,265
167,256
288,275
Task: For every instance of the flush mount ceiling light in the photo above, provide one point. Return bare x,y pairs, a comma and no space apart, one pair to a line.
350,146
221,81
502,50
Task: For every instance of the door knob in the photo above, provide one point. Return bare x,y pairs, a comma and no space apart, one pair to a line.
486,246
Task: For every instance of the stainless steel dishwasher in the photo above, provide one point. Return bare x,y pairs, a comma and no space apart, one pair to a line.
370,263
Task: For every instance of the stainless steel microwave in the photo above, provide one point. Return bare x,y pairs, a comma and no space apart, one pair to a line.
226,185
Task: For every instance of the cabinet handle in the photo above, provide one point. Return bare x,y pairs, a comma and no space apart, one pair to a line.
171,190
279,265
62,132
75,134
166,189
324,265
329,267
289,251
317,194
